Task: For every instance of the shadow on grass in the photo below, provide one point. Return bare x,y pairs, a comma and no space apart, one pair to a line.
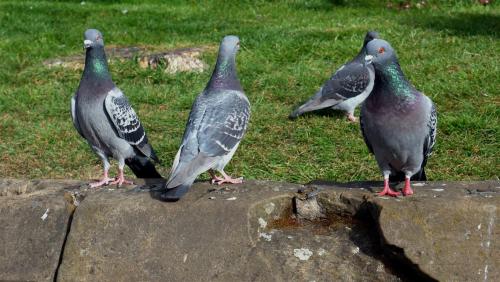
460,24
328,112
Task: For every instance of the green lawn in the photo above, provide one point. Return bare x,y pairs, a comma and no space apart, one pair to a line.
451,52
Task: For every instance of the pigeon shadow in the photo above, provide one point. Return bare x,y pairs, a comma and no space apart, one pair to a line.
460,24
327,112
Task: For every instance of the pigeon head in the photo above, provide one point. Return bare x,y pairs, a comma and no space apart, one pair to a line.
229,45
92,38
370,35
379,52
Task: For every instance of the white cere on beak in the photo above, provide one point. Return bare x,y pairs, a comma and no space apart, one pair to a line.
368,59
87,43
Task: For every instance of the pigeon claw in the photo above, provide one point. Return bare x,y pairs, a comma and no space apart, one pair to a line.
389,192
103,182
352,118
228,180
407,191
120,181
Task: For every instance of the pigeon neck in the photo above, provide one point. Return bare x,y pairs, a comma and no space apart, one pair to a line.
96,65
224,75
399,87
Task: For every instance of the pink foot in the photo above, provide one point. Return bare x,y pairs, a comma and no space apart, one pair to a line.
229,180
352,118
388,191
407,191
216,179
103,182
120,179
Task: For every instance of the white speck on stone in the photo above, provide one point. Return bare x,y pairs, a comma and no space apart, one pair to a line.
276,189
231,199
479,226
211,198
355,250
185,258
269,207
438,189
111,189
348,228
444,184
419,184
266,236
321,251
302,254
289,237
262,222
44,216
124,11
380,267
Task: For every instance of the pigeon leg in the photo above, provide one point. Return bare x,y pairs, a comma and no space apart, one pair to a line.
120,179
407,191
387,190
229,179
105,179
215,178
351,117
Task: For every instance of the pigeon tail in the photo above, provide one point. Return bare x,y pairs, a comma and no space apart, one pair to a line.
142,167
314,103
173,194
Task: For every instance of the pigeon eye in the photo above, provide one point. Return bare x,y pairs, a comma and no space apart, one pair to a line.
381,50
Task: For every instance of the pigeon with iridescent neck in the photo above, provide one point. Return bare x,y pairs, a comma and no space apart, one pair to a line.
216,125
103,116
397,121
346,89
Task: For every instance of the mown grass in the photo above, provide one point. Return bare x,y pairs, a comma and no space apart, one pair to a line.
449,49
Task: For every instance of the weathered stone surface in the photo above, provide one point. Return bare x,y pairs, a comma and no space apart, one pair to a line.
258,231
33,221
178,60
449,231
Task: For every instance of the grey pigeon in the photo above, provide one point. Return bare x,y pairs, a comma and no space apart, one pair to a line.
103,116
397,121
347,88
216,125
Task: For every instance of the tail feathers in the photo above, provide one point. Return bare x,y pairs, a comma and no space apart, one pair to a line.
400,176
314,103
142,167
173,194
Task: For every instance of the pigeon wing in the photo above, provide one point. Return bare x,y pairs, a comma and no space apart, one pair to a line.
73,115
348,82
362,126
430,139
125,120
223,126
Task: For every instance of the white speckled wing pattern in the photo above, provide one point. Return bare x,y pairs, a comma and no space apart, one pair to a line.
224,126
124,118
431,138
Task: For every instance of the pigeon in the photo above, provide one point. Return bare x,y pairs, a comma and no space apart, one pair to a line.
398,122
346,89
217,122
103,116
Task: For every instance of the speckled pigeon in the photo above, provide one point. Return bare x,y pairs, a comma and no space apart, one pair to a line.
216,125
103,116
397,121
347,88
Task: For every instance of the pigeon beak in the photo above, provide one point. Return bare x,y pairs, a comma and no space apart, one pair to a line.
87,43
368,59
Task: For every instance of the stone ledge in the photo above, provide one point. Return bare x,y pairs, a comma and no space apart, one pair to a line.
257,231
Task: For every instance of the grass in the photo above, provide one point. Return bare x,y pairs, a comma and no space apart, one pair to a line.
450,51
